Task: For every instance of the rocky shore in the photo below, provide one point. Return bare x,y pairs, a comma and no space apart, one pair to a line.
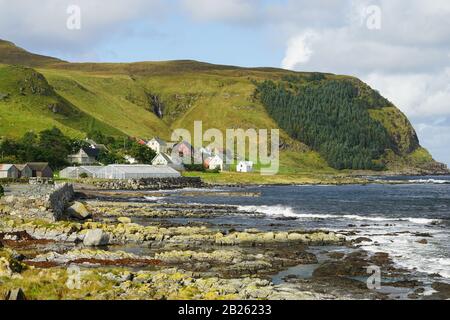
130,250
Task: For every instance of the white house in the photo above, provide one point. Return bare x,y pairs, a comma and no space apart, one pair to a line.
9,171
213,163
245,166
163,159
85,156
158,145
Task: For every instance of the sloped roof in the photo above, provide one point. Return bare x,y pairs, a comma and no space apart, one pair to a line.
159,140
91,152
21,166
183,143
165,156
91,169
6,167
38,166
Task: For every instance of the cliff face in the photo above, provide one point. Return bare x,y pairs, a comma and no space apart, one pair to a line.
152,98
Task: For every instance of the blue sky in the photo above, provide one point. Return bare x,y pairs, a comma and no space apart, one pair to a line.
399,47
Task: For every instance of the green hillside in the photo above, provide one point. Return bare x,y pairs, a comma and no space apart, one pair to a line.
11,54
153,98
28,102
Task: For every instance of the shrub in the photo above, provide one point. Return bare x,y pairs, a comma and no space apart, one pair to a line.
84,175
195,167
216,170
2,191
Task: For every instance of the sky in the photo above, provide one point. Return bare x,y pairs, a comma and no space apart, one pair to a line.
399,47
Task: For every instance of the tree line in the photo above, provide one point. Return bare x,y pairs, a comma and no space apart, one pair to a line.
54,147
330,117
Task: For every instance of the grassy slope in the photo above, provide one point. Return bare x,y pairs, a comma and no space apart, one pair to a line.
107,96
221,98
28,106
114,99
11,54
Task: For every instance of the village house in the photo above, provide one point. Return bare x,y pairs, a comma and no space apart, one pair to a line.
158,145
9,171
183,150
95,145
214,163
40,170
25,171
163,159
85,156
244,166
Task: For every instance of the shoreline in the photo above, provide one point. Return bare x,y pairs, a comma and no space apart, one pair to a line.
134,250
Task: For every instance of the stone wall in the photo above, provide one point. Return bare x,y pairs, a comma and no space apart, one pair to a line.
59,199
150,184
39,201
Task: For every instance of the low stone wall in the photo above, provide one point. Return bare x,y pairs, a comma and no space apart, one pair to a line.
40,201
150,184
59,199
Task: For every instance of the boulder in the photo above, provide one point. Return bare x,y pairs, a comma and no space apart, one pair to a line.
96,238
78,211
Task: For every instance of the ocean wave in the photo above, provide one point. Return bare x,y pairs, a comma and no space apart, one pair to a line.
154,198
429,181
289,212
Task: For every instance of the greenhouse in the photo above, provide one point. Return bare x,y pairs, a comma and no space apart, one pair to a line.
123,172
75,172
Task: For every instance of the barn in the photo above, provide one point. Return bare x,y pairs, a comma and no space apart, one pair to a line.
25,171
40,169
124,172
9,171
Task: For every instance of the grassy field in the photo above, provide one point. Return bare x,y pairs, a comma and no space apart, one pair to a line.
232,178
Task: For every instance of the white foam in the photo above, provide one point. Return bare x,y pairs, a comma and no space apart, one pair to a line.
270,210
430,181
154,198
407,253
285,211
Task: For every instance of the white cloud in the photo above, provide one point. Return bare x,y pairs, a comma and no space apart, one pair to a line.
235,11
43,25
418,95
435,137
299,50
